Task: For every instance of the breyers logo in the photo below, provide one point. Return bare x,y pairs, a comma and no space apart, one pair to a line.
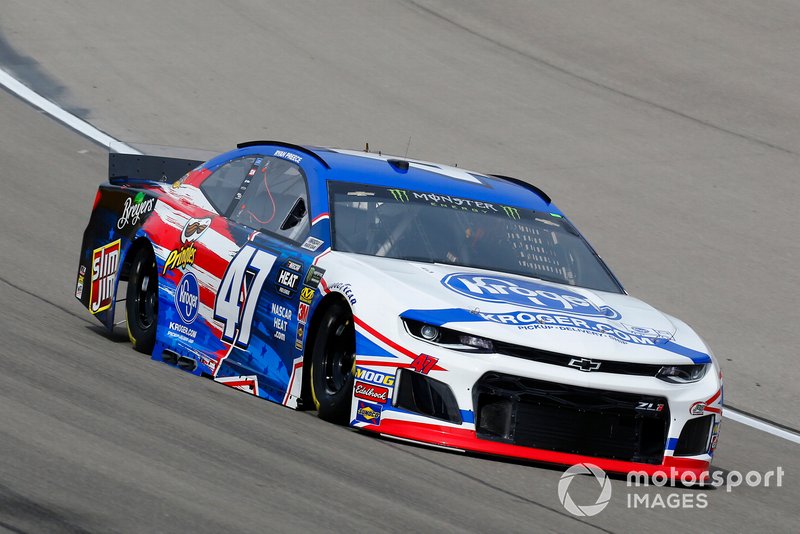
525,293
135,208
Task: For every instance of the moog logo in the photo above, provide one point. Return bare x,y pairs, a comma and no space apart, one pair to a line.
374,377
525,293
187,298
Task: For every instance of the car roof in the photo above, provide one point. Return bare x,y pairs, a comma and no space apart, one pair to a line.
406,173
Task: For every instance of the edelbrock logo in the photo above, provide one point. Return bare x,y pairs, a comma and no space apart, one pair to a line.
525,293
187,298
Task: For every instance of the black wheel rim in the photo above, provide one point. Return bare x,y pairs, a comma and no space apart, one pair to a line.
145,296
340,349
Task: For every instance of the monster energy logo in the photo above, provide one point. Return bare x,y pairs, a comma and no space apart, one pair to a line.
399,194
512,213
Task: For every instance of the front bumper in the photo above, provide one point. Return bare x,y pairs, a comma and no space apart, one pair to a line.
504,406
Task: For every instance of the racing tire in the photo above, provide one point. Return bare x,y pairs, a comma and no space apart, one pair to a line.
141,305
333,364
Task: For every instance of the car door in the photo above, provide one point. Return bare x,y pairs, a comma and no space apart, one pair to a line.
262,302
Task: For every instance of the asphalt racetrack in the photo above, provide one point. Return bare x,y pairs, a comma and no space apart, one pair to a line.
668,131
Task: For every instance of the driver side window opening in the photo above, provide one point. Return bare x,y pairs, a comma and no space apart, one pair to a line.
275,199
220,187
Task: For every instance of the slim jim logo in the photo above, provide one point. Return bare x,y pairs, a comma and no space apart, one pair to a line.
105,263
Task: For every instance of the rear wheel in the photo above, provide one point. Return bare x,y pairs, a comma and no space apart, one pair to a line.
141,306
333,361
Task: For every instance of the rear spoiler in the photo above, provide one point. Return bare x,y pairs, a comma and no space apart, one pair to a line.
127,168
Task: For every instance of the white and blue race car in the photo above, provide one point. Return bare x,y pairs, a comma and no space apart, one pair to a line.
401,297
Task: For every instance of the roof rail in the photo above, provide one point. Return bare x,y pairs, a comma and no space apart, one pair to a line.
286,145
526,185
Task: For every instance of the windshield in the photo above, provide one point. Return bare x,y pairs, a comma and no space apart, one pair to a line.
426,227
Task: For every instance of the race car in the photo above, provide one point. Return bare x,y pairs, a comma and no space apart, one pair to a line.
406,298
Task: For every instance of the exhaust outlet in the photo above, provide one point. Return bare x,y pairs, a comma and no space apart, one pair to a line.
186,363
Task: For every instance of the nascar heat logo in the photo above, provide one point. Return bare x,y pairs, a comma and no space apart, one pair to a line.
105,263
525,293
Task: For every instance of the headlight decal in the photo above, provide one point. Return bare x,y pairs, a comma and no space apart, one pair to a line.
442,317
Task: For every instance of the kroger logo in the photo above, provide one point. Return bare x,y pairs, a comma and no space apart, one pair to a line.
525,293
187,298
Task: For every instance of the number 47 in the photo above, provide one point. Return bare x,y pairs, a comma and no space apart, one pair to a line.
232,309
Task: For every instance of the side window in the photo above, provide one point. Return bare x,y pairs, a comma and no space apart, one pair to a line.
276,200
221,186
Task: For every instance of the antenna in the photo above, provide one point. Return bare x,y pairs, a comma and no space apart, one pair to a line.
408,146
366,148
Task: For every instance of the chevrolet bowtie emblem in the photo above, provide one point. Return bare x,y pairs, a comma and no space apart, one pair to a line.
584,364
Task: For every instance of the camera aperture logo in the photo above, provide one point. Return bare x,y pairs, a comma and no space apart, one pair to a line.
660,489
586,510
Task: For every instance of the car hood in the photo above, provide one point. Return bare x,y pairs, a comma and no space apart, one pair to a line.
532,312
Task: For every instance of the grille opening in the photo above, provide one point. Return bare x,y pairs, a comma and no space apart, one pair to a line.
563,360
496,414
563,418
694,436
424,395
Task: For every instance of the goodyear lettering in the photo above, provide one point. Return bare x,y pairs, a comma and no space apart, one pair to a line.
344,289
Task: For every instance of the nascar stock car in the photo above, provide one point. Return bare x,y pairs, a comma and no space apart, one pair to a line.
401,297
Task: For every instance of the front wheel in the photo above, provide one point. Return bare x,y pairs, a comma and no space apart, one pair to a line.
333,361
141,306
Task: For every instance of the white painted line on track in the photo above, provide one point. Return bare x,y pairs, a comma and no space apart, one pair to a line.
80,125
763,426
58,113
